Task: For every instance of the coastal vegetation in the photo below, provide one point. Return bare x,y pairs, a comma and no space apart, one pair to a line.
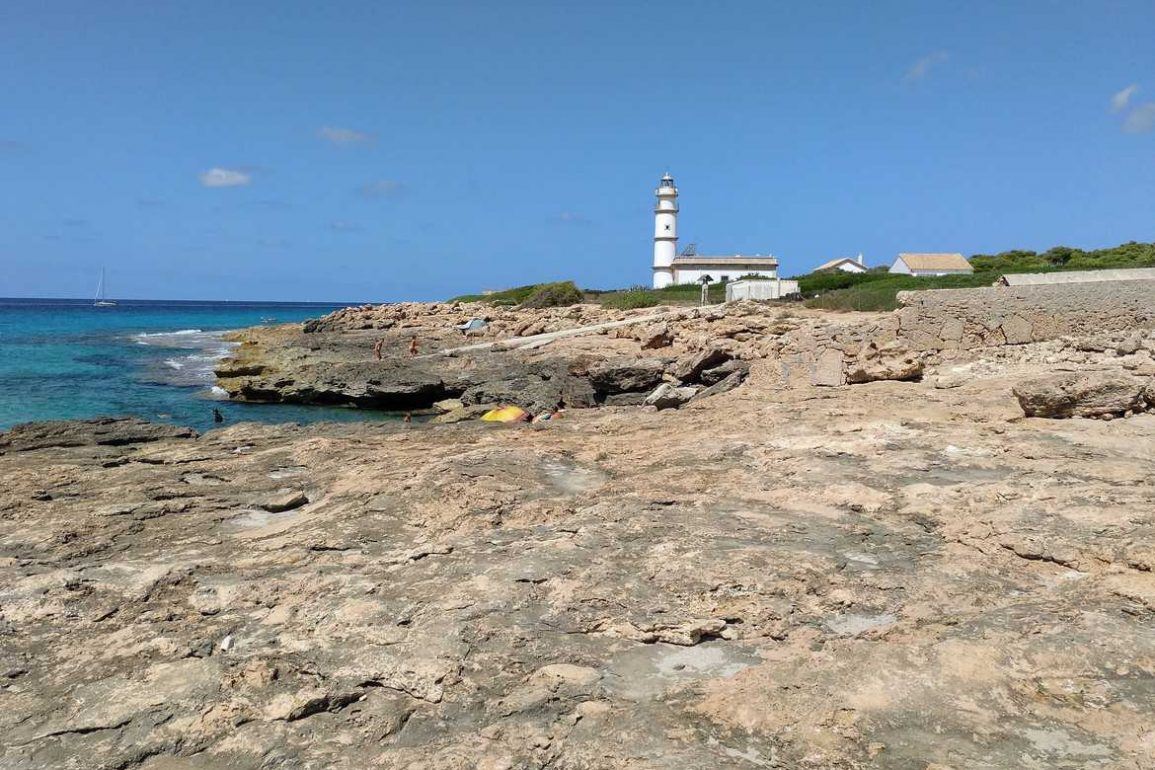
562,293
876,289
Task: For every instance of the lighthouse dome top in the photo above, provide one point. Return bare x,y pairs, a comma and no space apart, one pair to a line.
667,180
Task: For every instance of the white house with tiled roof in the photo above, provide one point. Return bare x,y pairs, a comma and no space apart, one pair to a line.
845,264
671,268
931,264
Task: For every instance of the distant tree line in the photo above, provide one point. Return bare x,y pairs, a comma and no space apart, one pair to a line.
1131,254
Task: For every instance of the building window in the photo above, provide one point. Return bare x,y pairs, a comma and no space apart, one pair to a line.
667,227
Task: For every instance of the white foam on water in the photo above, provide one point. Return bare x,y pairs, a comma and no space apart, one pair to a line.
217,393
205,349
160,338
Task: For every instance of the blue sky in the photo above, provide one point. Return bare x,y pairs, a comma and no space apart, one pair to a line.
383,150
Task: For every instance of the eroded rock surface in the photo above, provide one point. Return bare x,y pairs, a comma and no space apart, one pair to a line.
886,575
1082,394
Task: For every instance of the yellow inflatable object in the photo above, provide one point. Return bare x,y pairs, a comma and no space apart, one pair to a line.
505,414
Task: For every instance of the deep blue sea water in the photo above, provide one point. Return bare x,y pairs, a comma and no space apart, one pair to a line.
64,359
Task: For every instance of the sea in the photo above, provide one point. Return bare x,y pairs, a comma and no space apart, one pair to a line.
65,359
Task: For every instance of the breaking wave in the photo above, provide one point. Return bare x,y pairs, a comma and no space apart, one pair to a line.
201,352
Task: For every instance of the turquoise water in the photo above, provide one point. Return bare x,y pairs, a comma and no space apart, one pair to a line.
65,359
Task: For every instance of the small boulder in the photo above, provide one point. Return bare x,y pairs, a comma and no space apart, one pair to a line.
284,500
719,373
688,369
735,379
1082,394
885,367
1129,344
656,336
448,405
626,378
668,396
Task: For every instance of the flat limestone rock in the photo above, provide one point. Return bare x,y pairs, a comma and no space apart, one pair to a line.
1080,394
104,431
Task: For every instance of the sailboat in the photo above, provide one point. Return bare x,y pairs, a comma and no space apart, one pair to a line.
100,300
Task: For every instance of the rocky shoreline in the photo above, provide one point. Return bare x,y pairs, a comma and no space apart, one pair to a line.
689,353
863,554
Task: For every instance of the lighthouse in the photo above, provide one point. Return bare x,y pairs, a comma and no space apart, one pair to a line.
665,232
690,267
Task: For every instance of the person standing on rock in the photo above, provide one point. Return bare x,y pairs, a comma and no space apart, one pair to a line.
377,348
413,346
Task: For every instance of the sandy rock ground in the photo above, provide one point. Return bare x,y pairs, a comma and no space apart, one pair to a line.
892,574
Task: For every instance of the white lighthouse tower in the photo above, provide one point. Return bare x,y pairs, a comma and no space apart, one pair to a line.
665,232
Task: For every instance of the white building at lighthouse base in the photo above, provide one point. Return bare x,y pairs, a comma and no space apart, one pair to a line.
692,268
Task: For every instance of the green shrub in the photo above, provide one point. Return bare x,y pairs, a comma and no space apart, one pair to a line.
1131,254
508,297
560,294
630,299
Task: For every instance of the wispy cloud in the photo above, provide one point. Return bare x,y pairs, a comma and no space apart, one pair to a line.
573,218
1121,99
225,177
922,68
1141,119
344,137
382,188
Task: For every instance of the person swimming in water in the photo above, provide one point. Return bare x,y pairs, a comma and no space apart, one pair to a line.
217,416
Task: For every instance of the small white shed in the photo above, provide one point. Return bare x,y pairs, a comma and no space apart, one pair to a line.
754,288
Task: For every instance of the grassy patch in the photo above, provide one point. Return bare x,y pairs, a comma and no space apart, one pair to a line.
514,296
882,294
641,296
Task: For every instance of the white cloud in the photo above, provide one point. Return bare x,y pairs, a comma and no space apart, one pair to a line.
382,188
1141,119
1121,99
225,177
921,68
573,218
343,137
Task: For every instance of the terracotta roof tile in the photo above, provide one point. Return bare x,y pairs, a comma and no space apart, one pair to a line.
955,262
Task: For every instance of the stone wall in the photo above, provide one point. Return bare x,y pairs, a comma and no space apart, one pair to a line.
964,319
934,324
